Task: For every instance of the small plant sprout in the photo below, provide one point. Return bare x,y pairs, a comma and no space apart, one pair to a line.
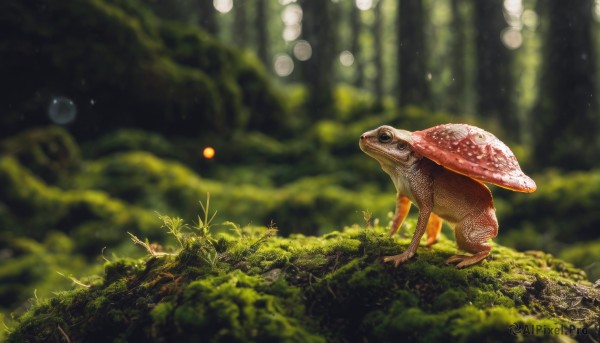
149,247
205,219
174,225
367,217
75,281
234,227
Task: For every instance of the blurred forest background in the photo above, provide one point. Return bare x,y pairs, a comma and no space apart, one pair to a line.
107,105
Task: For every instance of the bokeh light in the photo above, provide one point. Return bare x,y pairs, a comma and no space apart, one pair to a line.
283,65
62,110
346,58
223,6
291,33
208,152
513,9
292,15
302,50
530,19
511,38
364,5
286,2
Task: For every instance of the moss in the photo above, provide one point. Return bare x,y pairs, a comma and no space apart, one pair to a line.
334,288
28,268
573,198
138,69
147,181
91,217
586,256
51,153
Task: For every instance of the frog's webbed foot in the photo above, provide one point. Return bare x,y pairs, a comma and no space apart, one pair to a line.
399,259
462,261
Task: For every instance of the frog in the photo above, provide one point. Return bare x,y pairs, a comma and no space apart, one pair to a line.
443,170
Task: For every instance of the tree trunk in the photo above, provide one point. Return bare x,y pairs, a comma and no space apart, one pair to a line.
207,16
413,85
318,28
356,27
262,36
566,116
378,47
494,81
240,25
456,92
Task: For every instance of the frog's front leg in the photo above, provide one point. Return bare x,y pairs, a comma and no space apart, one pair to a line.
424,214
434,225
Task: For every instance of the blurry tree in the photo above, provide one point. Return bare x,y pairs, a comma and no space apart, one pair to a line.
356,28
413,87
318,28
456,90
207,16
378,53
240,29
494,80
262,39
566,116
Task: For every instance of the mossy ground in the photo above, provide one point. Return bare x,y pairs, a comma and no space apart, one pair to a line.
251,285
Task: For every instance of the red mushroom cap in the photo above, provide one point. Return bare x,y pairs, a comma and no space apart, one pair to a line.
473,152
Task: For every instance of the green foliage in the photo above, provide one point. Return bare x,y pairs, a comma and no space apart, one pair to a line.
586,256
306,288
571,199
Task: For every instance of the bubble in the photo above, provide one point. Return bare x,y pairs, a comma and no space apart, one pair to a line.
62,110
283,65
302,50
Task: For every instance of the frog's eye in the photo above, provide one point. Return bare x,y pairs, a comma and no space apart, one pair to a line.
402,146
385,137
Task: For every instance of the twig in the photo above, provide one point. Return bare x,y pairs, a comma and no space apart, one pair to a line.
64,334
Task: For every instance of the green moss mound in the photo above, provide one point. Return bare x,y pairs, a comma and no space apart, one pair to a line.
31,207
133,70
150,182
251,285
573,200
50,152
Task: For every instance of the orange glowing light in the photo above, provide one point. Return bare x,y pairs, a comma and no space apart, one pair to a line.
209,152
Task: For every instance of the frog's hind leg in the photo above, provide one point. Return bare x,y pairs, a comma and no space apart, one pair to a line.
402,208
434,228
472,235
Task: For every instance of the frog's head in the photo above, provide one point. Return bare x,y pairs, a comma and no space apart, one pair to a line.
391,147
